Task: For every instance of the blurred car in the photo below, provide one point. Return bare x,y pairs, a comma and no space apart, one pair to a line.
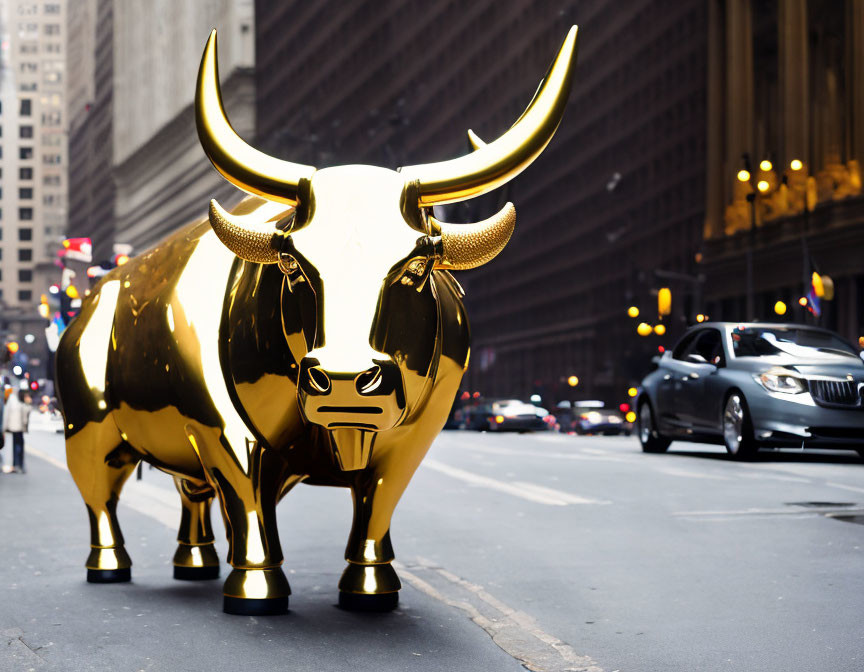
591,417
506,415
752,385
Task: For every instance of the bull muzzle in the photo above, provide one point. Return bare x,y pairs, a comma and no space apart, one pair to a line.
352,406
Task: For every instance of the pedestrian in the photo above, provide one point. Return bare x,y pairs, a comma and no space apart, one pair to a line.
15,421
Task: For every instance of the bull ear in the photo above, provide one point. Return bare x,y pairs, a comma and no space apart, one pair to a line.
467,246
255,237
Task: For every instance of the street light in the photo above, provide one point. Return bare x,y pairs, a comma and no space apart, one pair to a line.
765,165
573,381
644,329
780,308
633,311
660,329
796,164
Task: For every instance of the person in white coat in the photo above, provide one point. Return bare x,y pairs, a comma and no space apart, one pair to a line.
15,421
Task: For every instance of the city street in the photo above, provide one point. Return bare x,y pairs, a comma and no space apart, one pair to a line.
538,551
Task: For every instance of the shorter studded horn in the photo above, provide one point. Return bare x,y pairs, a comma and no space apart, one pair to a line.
468,246
255,235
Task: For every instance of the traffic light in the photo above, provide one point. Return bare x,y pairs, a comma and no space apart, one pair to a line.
664,301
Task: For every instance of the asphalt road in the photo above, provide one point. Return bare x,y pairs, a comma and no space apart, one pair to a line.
543,551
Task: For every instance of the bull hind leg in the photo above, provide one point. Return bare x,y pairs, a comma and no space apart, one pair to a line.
369,582
100,461
196,557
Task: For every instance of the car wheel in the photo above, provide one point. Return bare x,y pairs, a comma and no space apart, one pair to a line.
652,441
738,428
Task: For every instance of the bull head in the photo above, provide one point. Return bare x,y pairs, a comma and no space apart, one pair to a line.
352,232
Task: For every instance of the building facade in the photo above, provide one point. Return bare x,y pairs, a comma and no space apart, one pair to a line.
787,93
32,95
618,194
163,179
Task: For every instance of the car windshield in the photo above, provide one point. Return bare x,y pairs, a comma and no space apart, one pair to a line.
791,342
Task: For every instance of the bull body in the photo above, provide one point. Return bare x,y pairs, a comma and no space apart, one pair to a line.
313,334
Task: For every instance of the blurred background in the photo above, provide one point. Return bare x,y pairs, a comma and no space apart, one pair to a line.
708,166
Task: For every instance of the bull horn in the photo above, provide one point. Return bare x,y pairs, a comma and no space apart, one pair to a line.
252,236
243,166
466,246
493,165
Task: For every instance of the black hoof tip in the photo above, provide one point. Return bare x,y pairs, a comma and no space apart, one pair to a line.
240,606
196,573
369,603
109,575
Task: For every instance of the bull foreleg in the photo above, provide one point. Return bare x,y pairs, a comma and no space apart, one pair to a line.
369,582
248,480
196,557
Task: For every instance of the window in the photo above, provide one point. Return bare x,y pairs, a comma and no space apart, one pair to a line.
25,108
25,295
25,131
52,8
28,67
25,173
51,159
25,193
25,152
52,140
27,86
51,118
50,180
24,214
31,48
1,131
52,28
27,9
28,31
52,48
25,234
25,275
52,200
25,254
52,78
709,348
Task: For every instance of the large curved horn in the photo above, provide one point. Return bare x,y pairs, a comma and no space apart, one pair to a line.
252,231
498,162
245,167
467,246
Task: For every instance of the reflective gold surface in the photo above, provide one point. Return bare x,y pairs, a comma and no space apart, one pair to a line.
274,345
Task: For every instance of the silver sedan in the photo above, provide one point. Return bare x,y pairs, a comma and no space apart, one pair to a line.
752,385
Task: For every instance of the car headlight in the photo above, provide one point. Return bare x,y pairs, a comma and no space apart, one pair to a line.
778,381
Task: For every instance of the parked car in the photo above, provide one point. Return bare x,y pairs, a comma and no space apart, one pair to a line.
506,415
753,385
591,417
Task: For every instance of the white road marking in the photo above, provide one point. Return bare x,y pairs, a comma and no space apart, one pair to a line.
528,491
514,631
843,486
786,511
683,473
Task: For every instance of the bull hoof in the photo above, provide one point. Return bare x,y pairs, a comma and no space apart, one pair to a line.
369,603
242,606
196,573
109,575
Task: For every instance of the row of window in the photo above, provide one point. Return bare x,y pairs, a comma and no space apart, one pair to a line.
32,8
23,295
26,153
24,275
33,48
23,234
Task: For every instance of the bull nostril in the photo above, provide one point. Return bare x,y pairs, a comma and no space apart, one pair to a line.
368,381
318,379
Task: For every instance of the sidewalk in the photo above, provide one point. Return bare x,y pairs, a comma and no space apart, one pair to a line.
51,619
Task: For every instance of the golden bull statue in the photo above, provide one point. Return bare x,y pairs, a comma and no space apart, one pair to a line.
313,334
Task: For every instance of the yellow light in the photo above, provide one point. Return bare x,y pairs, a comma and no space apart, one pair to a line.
633,311
72,292
12,347
630,417
632,392
795,164
743,175
828,288
66,244
802,301
664,301
573,381
44,310
499,419
818,287
861,341
660,329
765,165
762,186
700,317
122,259
780,308
644,329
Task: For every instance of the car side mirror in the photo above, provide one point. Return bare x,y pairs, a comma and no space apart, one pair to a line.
693,358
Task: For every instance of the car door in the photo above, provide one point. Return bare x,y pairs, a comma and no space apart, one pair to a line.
672,411
704,388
